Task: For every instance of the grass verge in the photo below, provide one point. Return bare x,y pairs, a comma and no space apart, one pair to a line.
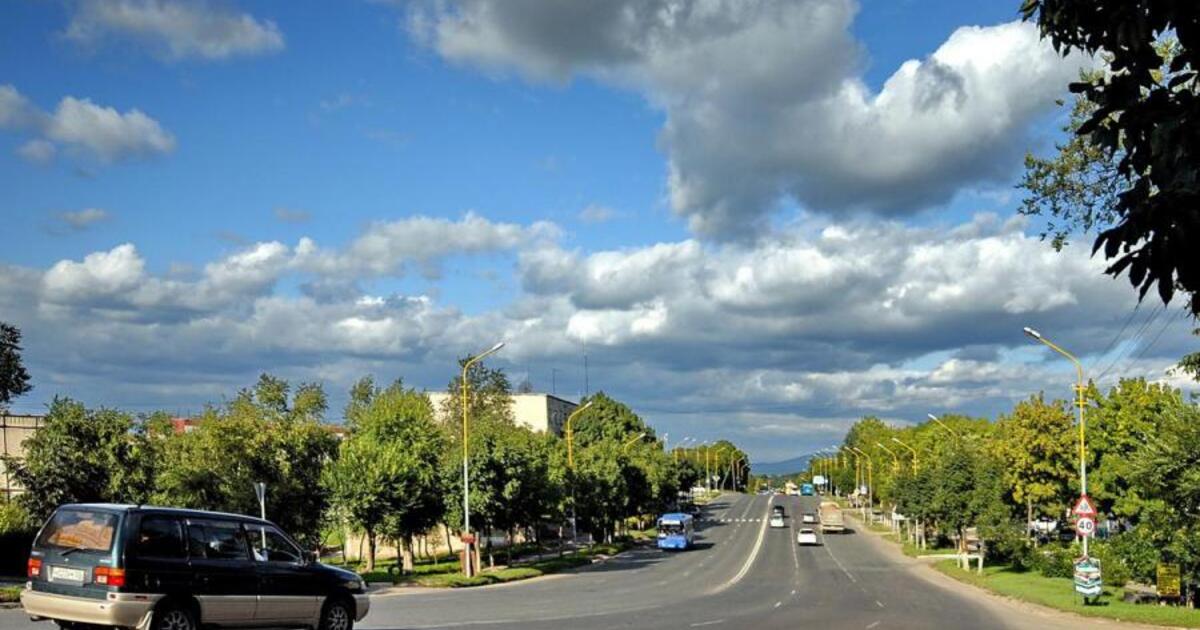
10,594
445,573
1059,593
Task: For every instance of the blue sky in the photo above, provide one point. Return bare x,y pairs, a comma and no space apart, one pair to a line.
636,188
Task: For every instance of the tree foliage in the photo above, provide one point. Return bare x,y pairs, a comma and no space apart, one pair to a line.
79,455
14,380
1144,115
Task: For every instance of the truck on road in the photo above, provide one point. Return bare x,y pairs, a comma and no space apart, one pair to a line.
831,518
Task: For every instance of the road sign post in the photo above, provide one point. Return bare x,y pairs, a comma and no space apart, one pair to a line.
1088,582
1085,526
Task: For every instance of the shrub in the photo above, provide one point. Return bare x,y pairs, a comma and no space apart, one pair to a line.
1054,561
1113,567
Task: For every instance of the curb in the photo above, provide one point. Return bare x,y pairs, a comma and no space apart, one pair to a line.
385,589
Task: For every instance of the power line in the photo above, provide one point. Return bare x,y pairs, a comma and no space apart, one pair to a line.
1166,324
1121,356
1113,342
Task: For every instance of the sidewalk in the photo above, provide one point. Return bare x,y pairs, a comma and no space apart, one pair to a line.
1017,613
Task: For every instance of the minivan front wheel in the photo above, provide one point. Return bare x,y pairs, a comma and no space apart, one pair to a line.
336,616
174,618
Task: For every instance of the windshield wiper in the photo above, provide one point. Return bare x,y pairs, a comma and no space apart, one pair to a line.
72,550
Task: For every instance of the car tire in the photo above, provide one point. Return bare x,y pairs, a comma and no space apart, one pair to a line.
174,617
337,615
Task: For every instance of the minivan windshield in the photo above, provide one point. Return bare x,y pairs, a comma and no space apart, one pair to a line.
86,530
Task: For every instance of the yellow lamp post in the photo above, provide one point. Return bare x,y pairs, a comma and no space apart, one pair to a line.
895,459
717,461
944,425
469,567
870,476
571,434
916,465
1080,403
631,441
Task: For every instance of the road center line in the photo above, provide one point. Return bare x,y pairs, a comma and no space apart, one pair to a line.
872,625
706,623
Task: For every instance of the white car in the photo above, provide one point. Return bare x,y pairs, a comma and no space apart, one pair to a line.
777,521
809,518
806,537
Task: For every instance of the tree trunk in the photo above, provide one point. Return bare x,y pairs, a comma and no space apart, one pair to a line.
406,554
1029,517
449,541
370,550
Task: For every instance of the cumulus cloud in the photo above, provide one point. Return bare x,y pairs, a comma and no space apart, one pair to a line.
174,30
83,126
386,247
764,99
797,334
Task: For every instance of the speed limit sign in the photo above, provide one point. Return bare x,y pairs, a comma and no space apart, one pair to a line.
1085,526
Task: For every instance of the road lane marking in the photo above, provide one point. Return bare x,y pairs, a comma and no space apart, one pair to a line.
872,625
707,623
749,559
839,563
778,604
879,603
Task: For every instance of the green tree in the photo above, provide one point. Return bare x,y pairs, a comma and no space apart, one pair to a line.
1037,445
601,489
256,437
1144,119
14,380
386,476
607,419
79,455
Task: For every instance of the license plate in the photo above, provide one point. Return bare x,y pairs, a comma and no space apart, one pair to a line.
66,574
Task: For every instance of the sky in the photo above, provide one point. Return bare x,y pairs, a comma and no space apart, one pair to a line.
758,220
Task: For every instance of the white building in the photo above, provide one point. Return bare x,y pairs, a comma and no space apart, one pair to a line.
540,412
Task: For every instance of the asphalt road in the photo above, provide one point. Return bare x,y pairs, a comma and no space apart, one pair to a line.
741,575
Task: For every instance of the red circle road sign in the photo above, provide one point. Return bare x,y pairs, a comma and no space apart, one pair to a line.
1085,526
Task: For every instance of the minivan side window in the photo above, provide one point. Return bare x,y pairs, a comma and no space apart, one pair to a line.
160,537
270,545
217,540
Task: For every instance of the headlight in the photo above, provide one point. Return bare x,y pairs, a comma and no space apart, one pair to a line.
355,584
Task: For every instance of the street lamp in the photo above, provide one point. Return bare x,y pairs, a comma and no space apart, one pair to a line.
631,441
468,566
895,460
571,434
944,425
1080,403
870,476
912,450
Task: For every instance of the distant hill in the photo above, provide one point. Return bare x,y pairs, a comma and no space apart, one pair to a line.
785,467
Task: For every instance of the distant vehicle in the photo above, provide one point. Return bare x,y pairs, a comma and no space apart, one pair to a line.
807,490
806,537
809,518
166,569
777,516
676,530
791,489
831,518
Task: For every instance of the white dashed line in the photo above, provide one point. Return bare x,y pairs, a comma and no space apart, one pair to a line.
707,623
778,604
872,625
879,603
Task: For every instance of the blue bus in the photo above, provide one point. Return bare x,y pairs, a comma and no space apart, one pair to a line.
806,490
676,531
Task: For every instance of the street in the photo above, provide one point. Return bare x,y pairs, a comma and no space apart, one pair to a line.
740,575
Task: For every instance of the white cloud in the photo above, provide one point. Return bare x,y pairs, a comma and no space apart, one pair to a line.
83,219
106,132
175,30
386,247
764,99
795,335
83,126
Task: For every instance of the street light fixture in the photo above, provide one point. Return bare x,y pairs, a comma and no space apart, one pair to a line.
469,564
912,450
895,459
631,441
1080,403
944,425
